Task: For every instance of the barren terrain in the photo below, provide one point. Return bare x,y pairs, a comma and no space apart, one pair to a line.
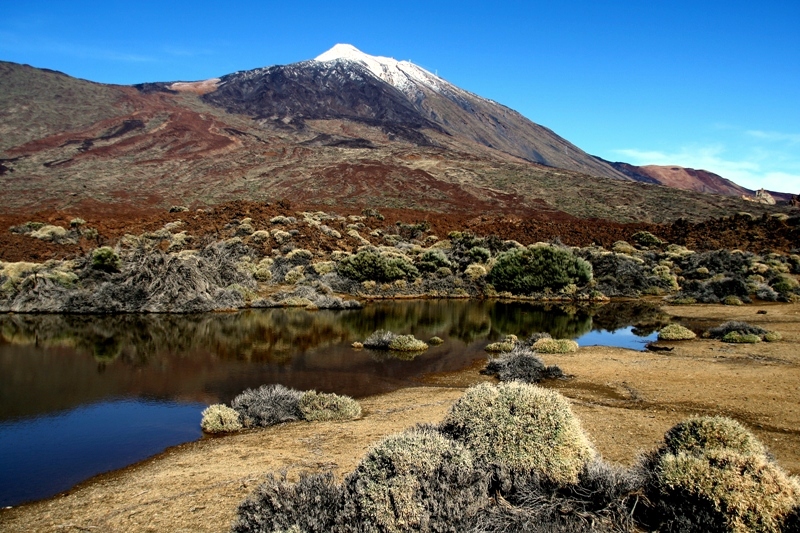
626,400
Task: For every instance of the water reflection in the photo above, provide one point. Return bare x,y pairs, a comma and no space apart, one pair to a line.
71,367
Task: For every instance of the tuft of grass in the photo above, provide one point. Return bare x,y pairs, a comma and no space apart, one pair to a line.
219,418
554,346
675,332
520,430
319,406
268,405
418,480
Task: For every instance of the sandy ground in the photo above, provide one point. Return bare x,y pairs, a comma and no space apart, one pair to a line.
626,400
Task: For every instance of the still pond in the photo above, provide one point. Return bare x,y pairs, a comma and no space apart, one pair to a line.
82,394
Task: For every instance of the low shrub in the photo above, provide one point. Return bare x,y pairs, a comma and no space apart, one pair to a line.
675,332
518,431
414,481
602,500
372,266
379,340
735,326
734,337
732,300
312,504
705,433
435,341
721,490
105,259
530,270
433,260
219,418
268,405
554,346
407,343
520,364
501,346
772,336
645,238
319,406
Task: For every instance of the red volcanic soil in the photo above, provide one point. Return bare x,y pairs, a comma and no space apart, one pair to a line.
209,225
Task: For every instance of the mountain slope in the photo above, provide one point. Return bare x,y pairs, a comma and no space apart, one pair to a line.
346,83
83,147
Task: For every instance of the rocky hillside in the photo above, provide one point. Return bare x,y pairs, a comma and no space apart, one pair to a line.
345,129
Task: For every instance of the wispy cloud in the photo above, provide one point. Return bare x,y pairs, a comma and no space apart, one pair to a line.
793,138
753,170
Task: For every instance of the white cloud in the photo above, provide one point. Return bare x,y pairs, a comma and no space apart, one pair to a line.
754,169
793,138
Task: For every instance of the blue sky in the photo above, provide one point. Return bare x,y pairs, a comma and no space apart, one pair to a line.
703,84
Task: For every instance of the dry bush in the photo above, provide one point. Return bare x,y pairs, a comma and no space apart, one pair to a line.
268,405
704,433
602,500
310,505
553,346
219,418
742,328
319,406
518,430
407,343
414,481
520,364
675,332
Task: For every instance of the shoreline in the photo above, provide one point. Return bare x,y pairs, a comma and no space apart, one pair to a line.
625,400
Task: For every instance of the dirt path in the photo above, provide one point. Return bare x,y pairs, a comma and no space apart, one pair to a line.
626,401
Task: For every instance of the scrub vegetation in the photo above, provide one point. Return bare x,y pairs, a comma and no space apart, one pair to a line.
513,457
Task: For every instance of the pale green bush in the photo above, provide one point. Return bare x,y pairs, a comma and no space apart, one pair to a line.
705,433
407,343
414,481
219,418
675,332
531,270
553,346
736,492
435,341
734,337
520,430
319,406
105,259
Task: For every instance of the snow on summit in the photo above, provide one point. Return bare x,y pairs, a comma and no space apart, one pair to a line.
401,74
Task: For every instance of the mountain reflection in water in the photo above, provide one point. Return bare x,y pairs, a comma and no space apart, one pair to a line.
71,385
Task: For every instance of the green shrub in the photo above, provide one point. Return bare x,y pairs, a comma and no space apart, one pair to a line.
519,430
435,341
722,490
268,405
371,266
530,270
105,259
433,260
732,300
645,238
407,343
479,254
784,285
675,332
735,326
501,346
319,406
414,481
555,346
520,364
734,337
312,504
219,418
772,336
700,434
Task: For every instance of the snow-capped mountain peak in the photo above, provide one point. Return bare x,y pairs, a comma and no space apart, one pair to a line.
401,74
